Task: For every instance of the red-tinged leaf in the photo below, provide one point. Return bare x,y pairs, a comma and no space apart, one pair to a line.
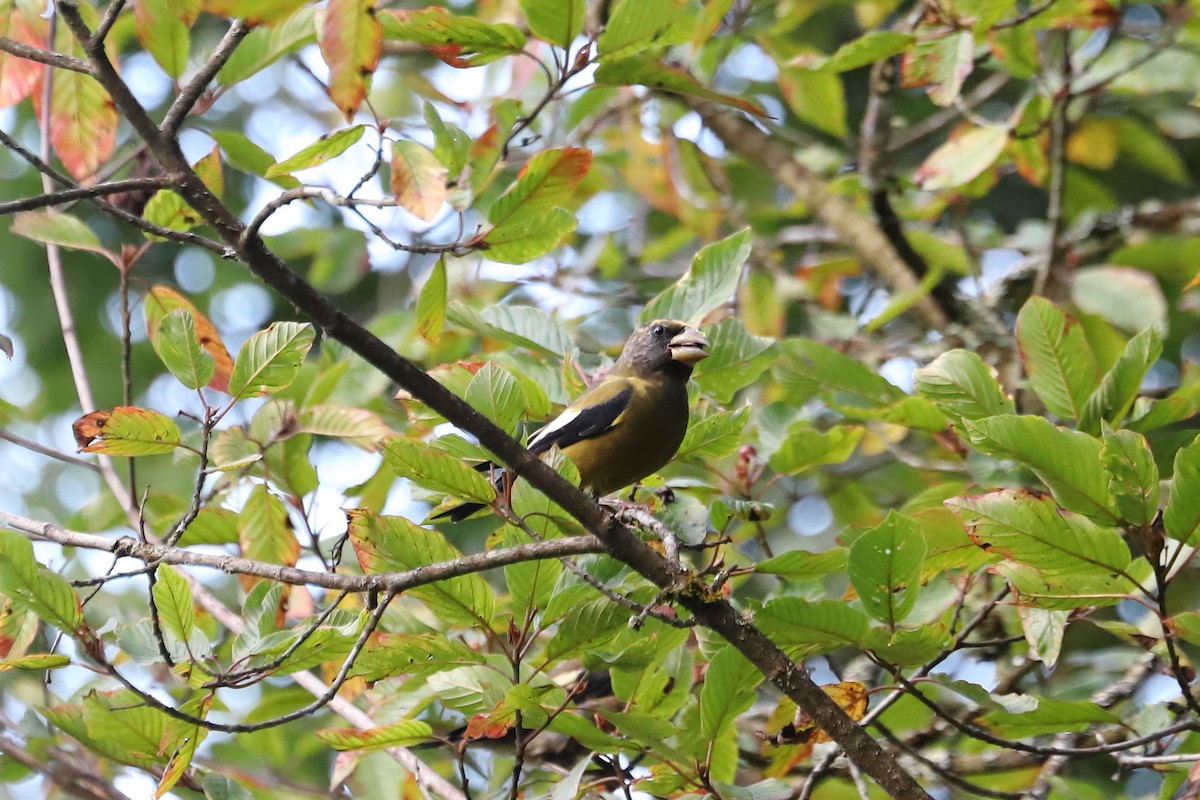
351,40
83,122
940,64
22,22
962,159
208,169
83,119
418,179
544,183
126,431
404,733
254,11
459,41
162,28
490,726
161,301
647,72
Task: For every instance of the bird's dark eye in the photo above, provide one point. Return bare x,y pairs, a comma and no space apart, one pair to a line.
658,330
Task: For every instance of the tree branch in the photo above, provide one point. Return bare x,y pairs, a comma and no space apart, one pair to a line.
47,57
150,553
84,193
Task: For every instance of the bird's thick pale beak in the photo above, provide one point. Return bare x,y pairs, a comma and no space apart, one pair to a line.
689,346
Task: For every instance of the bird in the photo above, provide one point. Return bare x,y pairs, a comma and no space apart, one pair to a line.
629,423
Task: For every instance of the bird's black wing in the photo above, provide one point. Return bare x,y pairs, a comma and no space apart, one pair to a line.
583,420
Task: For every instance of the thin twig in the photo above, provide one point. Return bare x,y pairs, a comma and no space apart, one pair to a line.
83,193
47,57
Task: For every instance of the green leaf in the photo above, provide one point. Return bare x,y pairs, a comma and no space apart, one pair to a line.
134,733
736,358
1181,517
866,49
1050,716
356,425
177,345
162,28
451,144
1128,298
1057,357
404,733
457,40
555,21
246,156
905,648
710,281
253,11
31,587
173,599
1132,476
1054,558
522,326
317,153
642,71
802,628
807,448
803,565
271,359
1044,629
35,661
1119,389
714,435
57,228
526,236
940,61
586,627
390,544
729,688
495,393
885,568
806,367
635,24
816,98
431,304
545,182
963,386
265,45
126,431
433,469
418,179
387,655
1068,462
265,531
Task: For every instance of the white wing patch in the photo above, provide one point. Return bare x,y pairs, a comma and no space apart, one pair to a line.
559,422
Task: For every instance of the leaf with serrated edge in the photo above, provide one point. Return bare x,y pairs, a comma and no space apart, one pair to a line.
433,469
126,431
1057,357
709,282
271,359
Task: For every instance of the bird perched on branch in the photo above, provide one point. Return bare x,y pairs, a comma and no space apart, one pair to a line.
630,423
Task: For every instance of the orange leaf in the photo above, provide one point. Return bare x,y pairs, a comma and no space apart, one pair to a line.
483,726
851,697
418,179
20,22
351,40
161,301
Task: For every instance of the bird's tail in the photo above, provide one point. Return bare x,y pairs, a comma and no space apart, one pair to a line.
459,512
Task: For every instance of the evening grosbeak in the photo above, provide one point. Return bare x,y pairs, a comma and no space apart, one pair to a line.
630,423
